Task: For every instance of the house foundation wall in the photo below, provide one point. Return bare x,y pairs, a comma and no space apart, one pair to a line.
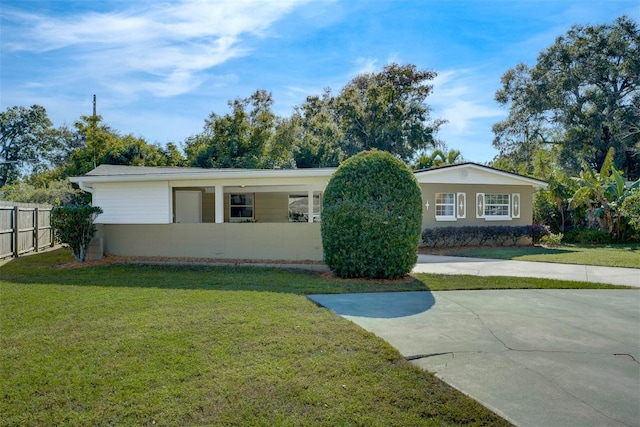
251,241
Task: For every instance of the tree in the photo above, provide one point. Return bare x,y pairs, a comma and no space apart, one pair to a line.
387,111
581,95
103,145
371,217
319,142
24,139
74,226
438,158
53,193
243,138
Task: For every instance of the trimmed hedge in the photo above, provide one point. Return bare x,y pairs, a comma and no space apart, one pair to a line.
371,217
493,235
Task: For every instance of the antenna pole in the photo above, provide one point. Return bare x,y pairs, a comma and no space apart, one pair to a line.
94,105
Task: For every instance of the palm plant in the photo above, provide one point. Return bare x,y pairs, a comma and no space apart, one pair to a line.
602,193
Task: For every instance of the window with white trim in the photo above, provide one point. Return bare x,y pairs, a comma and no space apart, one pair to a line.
497,206
450,206
445,207
240,207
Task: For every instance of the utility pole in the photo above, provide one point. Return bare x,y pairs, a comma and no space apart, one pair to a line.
94,123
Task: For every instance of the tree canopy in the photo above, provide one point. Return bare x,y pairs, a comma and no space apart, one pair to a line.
25,138
581,98
386,110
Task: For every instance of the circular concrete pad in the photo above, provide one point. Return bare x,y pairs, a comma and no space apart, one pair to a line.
536,357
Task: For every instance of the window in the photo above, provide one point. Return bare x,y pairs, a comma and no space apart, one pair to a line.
450,206
445,206
299,208
240,207
498,207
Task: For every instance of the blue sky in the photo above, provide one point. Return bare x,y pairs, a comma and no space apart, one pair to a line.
160,68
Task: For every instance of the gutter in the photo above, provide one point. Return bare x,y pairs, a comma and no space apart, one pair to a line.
84,187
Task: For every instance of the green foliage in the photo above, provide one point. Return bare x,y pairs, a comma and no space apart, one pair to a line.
588,236
630,209
387,111
491,235
319,137
545,211
243,138
438,158
371,217
552,239
602,193
55,193
24,140
581,97
551,205
104,145
74,226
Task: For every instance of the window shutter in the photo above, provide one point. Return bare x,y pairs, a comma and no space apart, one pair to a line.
479,205
515,205
461,205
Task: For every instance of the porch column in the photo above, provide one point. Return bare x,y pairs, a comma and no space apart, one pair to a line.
310,205
219,209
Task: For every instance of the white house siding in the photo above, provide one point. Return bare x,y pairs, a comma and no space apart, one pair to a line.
133,202
258,241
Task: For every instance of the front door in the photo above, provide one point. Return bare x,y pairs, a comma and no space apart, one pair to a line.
188,206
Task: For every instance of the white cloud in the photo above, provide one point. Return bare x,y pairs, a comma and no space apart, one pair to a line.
460,97
162,49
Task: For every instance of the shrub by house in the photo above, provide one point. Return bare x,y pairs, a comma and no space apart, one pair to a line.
371,219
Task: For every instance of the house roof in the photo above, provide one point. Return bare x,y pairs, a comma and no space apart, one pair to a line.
473,173
463,173
119,173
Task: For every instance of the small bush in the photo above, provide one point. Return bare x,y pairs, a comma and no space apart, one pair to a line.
74,226
371,217
589,236
552,239
630,210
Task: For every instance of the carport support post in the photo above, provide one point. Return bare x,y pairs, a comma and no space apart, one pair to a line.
219,207
310,205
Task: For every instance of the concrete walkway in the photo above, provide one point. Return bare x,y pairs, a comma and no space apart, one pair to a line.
536,357
491,267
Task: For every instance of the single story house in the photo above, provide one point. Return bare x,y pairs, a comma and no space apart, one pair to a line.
272,214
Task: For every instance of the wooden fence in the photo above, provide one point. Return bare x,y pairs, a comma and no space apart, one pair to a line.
24,228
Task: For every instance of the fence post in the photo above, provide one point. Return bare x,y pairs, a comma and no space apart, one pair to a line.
16,238
52,231
36,231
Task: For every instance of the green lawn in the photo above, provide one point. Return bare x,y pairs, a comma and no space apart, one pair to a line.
202,345
152,345
606,255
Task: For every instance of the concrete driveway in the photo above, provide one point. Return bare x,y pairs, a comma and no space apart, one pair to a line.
536,357
546,270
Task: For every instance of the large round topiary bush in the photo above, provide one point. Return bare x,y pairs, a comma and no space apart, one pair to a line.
371,217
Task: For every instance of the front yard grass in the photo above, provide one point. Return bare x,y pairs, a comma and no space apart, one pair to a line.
158,345
203,345
605,255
